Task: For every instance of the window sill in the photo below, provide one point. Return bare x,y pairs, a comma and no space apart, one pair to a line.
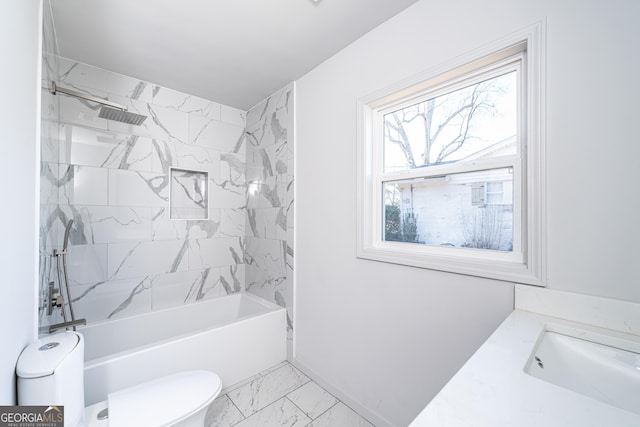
486,264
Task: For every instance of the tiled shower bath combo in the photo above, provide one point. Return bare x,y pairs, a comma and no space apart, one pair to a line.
194,203
140,241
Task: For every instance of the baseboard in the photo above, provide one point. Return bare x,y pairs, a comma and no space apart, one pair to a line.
373,417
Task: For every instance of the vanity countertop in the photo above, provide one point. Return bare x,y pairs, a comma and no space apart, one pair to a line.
492,389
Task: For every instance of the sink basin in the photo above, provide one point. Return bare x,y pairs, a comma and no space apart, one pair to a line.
593,365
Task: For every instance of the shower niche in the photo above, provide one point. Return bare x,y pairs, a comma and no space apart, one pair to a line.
189,195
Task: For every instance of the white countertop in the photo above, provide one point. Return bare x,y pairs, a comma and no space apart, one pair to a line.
493,390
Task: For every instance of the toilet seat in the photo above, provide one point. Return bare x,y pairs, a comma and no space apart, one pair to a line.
161,402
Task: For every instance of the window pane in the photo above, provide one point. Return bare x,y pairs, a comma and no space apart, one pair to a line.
478,121
448,210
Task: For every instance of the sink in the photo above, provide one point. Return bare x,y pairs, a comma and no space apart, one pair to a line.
595,365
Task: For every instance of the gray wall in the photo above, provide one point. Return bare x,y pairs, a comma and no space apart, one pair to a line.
20,32
388,336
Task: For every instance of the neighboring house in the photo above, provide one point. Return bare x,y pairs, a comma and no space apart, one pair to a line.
472,209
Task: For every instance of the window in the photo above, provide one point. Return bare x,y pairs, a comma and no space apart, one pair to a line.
450,166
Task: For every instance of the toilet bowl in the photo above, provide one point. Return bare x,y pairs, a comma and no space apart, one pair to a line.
50,372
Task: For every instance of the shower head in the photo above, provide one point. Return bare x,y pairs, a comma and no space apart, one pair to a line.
109,110
121,116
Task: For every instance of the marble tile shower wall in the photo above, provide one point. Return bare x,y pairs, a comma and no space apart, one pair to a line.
270,201
126,255
50,128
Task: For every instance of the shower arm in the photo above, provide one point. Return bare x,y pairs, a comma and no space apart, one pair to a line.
54,89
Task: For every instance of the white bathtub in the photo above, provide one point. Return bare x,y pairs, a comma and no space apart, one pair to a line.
235,336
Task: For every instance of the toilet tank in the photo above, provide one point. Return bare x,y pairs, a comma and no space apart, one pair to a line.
50,372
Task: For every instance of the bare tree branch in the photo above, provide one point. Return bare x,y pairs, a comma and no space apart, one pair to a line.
464,108
404,143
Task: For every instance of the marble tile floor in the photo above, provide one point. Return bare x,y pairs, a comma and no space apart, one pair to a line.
280,396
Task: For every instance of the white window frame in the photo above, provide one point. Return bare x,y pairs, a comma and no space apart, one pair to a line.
525,264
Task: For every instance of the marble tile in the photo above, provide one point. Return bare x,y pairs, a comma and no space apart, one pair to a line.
146,258
225,193
163,155
281,413
232,279
267,123
256,114
143,189
182,287
232,167
75,74
267,254
340,415
108,224
83,185
183,102
267,389
113,180
165,228
286,296
196,158
50,227
233,116
273,287
244,382
267,193
87,263
268,223
267,161
222,413
263,283
162,122
259,164
49,183
280,396
112,299
208,284
205,229
104,149
275,367
189,197
232,222
312,399
49,137
215,252
290,199
80,112
214,134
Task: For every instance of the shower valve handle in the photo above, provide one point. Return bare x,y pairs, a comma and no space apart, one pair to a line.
57,301
53,300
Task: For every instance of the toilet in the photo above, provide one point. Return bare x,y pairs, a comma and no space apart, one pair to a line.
51,372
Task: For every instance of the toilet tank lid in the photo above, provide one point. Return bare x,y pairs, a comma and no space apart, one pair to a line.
42,357
164,400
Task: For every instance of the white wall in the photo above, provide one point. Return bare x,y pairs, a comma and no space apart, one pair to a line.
20,29
388,337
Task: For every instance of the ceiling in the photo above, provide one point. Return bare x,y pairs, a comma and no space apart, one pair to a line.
236,52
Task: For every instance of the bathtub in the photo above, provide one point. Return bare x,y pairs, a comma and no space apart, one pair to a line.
235,336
